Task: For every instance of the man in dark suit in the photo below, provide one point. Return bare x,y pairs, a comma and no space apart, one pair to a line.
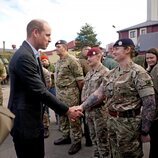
28,93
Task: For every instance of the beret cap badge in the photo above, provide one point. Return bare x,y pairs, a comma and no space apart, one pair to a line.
124,43
120,43
60,42
94,53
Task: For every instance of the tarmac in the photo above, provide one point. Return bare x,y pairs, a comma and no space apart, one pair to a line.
51,150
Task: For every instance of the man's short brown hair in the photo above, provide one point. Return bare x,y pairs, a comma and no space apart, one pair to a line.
34,24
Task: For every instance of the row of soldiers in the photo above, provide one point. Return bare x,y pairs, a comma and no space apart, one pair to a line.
69,74
69,79
116,104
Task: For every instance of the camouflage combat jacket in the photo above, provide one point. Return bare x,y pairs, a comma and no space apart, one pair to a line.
124,88
2,76
2,72
93,79
47,77
67,72
51,68
84,64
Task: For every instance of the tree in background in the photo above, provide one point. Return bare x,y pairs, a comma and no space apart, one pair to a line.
86,36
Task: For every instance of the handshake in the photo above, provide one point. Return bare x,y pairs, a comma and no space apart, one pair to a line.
75,112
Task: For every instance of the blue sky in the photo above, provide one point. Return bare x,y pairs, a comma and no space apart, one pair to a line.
66,18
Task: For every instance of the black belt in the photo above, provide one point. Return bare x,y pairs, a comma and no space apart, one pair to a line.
127,114
96,106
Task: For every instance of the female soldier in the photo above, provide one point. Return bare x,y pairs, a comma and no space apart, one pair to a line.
151,65
127,89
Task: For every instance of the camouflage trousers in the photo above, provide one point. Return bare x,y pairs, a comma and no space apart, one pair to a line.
124,137
46,120
97,122
75,126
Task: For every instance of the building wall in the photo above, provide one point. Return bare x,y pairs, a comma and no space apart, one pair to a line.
153,28
152,10
123,34
150,29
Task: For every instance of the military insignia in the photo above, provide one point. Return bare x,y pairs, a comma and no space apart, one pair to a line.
120,43
93,53
148,82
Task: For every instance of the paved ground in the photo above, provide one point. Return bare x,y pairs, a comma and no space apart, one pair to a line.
52,151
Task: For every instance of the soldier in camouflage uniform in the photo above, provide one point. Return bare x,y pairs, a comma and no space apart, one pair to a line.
47,77
83,59
68,81
2,77
96,116
85,67
129,95
51,68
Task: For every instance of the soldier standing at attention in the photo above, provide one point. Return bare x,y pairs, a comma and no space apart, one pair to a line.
69,81
96,116
83,59
129,95
3,75
85,67
48,81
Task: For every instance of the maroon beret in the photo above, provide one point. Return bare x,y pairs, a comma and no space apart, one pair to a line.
94,51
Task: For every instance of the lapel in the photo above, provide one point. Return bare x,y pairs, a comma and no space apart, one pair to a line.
37,60
41,71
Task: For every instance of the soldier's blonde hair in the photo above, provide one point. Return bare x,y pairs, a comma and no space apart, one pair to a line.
133,52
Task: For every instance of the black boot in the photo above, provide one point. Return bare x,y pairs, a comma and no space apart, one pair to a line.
87,134
88,142
62,141
74,148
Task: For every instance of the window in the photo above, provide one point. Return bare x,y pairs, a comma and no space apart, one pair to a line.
132,34
142,31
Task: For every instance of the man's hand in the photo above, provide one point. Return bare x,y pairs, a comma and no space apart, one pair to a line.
73,113
80,108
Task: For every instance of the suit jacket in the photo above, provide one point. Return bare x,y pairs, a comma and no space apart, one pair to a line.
28,94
